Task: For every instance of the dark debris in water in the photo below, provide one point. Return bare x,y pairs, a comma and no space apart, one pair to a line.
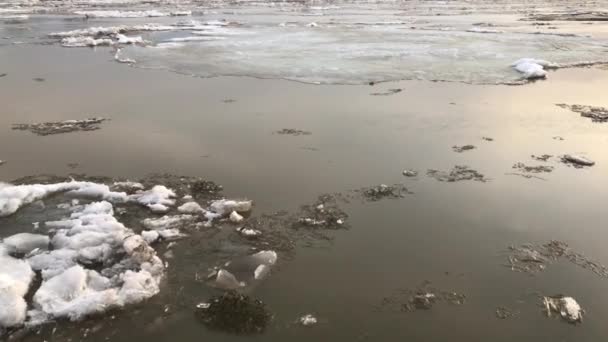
59,127
292,131
234,313
504,313
596,114
458,173
205,187
323,213
532,259
38,79
463,148
542,157
487,139
532,169
424,297
388,92
3,75
383,191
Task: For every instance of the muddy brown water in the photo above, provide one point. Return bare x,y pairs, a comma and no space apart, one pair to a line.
451,234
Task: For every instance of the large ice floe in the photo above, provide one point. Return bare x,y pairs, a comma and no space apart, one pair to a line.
84,261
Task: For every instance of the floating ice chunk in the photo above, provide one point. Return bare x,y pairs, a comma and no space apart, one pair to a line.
13,197
308,320
313,24
69,295
122,39
158,208
54,262
13,311
266,257
167,222
94,190
235,217
150,236
24,243
180,13
227,280
566,307
128,184
85,42
190,208
137,286
533,68
159,198
15,278
170,234
249,232
261,272
224,206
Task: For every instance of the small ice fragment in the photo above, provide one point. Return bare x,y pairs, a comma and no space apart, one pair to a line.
313,24
308,320
158,208
36,225
533,68
248,232
266,257
227,280
410,173
224,206
261,272
235,217
122,39
203,306
150,236
190,208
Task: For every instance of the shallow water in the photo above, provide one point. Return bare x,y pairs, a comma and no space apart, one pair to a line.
452,234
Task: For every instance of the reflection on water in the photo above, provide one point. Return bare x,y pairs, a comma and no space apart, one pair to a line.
449,233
